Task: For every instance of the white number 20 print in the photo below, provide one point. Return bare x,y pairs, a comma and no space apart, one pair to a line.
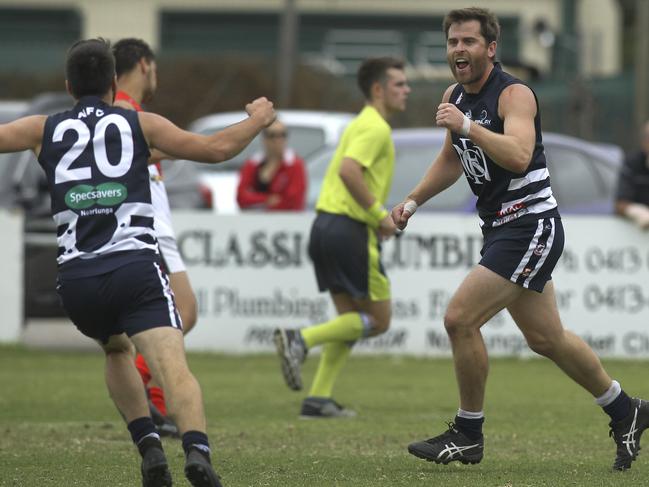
64,173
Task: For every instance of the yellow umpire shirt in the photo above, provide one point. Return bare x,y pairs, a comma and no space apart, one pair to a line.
367,140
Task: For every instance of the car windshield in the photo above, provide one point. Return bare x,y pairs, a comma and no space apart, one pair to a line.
580,180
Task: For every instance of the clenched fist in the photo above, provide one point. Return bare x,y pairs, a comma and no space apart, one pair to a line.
450,117
262,109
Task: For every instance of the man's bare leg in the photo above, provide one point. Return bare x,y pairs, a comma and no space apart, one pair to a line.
537,316
163,349
187,309
482,294
124,383
127,391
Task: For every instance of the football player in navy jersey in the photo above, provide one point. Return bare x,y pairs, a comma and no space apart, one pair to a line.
95,157
494,138
136,69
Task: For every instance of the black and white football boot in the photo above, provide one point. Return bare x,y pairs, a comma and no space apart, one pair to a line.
450,446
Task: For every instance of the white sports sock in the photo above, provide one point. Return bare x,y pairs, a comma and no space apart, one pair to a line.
610,395
470,414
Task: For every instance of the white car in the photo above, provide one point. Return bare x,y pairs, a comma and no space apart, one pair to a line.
308,131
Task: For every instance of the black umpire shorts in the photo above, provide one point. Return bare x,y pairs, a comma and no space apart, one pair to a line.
129,299
346,255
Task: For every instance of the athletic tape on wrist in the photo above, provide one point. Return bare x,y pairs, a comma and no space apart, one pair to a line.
466,126
410,206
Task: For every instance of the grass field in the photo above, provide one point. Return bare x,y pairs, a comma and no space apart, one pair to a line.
58,427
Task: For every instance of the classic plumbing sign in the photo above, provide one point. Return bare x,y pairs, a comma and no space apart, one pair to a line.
11,288
251,273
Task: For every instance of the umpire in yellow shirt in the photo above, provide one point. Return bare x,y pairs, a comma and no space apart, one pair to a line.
345,240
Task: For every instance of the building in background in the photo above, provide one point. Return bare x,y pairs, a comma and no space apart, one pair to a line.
574,52
332,33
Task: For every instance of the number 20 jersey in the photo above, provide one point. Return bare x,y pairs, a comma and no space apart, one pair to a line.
95,158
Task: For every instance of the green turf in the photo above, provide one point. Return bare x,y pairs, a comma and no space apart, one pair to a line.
58,426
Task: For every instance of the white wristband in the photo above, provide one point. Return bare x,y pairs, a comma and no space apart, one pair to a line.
410,206
466,126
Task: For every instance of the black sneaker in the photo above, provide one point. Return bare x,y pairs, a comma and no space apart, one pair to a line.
155,470
324,407
448,447
164,425
199,470
292,353
627,432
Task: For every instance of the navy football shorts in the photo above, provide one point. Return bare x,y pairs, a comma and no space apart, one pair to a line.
525,251
129,299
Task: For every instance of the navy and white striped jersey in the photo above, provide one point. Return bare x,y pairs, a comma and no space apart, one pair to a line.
503,196
95,158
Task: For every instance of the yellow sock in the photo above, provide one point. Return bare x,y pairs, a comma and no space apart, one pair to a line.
333,358
347,327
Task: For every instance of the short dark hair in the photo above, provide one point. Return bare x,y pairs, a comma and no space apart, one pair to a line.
128,53
373,70
90,67
489,26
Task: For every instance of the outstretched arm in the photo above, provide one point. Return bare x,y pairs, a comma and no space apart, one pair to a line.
218,147
22,134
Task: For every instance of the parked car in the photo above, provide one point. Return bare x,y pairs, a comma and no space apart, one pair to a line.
583,173
308,131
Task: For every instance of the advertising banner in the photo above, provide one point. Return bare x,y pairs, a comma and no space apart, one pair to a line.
251,273
11,288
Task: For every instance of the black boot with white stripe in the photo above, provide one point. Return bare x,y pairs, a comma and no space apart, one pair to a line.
627,433
450,446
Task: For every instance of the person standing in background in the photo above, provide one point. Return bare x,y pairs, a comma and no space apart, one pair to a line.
632,196
273,180
344,244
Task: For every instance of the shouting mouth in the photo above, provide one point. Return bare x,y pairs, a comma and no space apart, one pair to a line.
461,65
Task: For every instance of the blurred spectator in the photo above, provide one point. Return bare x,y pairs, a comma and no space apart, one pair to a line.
632,198
274,179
